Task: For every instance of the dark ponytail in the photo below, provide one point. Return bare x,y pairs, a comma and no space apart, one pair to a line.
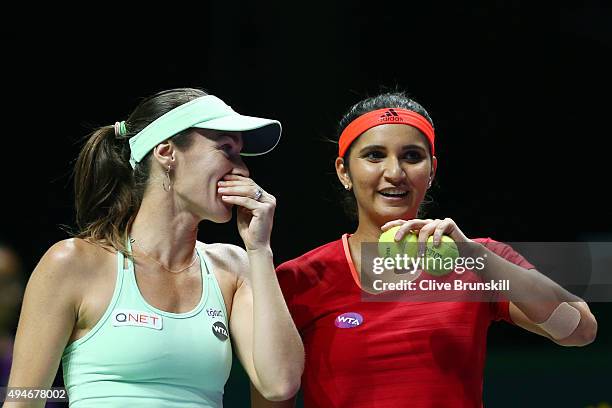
108,192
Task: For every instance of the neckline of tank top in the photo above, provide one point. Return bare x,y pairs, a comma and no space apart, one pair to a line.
203,296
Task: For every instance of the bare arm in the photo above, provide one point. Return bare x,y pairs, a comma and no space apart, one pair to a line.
535,298
257,401
47,320
547,296
583,335
267,342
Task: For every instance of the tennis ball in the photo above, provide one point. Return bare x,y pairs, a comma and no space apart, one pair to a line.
388,247
440,261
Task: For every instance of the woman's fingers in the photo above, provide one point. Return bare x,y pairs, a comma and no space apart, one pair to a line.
424,234
444,227
236,185
231,183
245,202
231,176
437,228
392,224
407,226
250,191
425,229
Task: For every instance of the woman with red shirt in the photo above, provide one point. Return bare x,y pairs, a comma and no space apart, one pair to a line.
405,354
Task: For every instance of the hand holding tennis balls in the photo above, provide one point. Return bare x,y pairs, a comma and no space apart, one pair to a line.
438,261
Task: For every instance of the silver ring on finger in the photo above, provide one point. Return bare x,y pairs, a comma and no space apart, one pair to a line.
258,194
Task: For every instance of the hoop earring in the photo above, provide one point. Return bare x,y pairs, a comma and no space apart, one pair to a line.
167,189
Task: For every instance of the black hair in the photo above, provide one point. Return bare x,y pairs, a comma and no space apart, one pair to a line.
381,101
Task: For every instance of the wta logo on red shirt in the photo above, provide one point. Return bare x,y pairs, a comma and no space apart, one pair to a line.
348,320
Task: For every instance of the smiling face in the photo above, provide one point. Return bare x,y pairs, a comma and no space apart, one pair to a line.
212,155
389,169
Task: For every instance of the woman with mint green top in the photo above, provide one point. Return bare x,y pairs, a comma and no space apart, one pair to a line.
139,312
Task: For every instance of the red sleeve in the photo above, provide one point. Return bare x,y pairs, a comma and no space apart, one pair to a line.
506,252
500,310
289,278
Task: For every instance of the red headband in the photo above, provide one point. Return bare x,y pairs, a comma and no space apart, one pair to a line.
383,117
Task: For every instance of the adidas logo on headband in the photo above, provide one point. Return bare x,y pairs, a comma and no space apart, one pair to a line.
384,116
390,116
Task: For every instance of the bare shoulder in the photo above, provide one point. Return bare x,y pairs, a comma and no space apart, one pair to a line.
73,252
230,258
71,261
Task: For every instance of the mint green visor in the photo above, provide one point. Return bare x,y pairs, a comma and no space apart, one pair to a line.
207,112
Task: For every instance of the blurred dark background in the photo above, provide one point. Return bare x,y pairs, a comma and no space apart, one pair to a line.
519,94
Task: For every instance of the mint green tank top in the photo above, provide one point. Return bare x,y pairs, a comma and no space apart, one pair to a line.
141,356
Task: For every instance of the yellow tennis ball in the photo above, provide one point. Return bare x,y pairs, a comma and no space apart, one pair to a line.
440,261
389,248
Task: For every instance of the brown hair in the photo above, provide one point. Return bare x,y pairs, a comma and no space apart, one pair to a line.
108,192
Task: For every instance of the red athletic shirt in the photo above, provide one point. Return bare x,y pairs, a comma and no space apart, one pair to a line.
402,354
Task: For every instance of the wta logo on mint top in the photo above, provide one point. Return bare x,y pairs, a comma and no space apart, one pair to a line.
348,320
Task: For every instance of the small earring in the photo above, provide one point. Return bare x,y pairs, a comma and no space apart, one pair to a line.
167,189
347,187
